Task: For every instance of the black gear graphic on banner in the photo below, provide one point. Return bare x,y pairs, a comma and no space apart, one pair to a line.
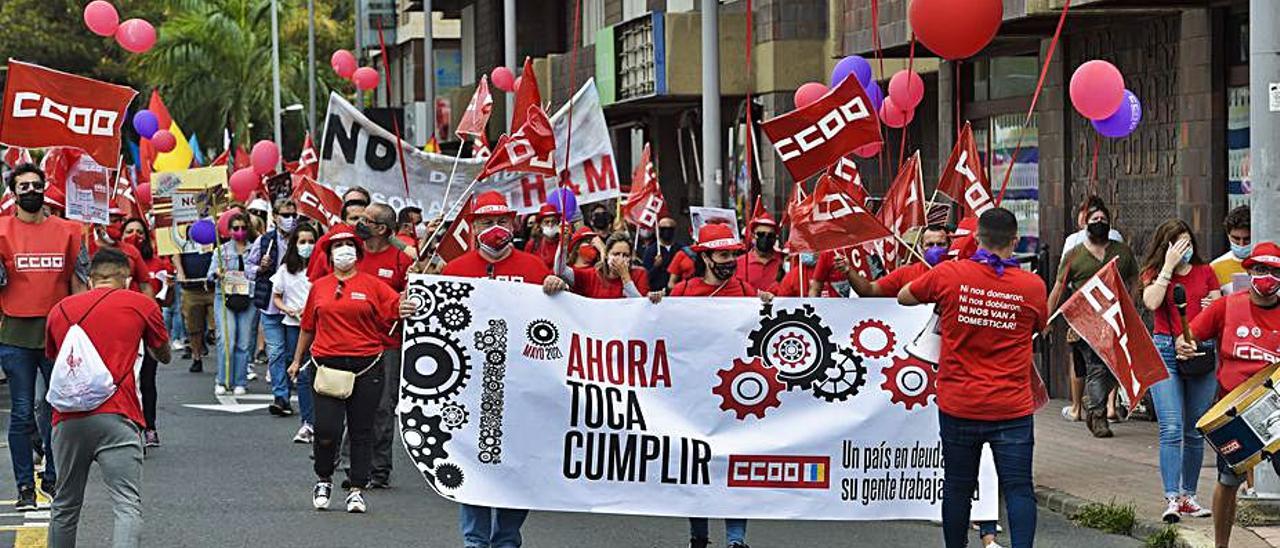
450,475
424,437
452,291
423,299
843,380
543,339
454,317
435,366
795,343
494,374
454,415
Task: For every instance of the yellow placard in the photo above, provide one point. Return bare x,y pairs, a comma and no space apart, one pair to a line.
168,186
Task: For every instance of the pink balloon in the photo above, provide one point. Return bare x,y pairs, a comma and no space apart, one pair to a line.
101,17
1097,89
264,157
868,150
164,141
809,93
894,116
343,63
365,78
503,79
143,193
907,89
243,182
136,35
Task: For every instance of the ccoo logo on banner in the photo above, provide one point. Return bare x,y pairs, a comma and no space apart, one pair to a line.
356,151
806,409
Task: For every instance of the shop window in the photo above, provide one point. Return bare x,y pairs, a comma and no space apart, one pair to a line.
997,137
1004,77
1238,186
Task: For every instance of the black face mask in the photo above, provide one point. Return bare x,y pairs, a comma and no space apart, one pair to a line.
363,231
600,220
666,234
724,271
31,202
1099,231
765,242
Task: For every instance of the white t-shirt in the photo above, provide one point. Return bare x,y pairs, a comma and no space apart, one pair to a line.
293,289
1079,238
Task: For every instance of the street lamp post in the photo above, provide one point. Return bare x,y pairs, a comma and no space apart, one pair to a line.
275,72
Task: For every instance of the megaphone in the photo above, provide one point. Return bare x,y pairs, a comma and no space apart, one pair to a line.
927,346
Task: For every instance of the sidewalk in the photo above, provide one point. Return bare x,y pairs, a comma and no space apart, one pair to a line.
1125,468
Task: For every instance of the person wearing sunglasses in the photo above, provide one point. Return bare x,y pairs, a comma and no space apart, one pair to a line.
234,314
1246,326
344,322
760,265
264,260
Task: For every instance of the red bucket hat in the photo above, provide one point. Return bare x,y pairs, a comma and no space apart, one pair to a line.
342,233
717,237
547,210
583,233
491,204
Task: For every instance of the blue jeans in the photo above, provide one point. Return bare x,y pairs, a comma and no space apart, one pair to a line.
1012,442
485,527
1180,402
173,316
282,341
735,530
20,367
306,403
237,330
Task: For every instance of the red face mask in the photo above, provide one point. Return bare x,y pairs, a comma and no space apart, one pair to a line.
134,239
588,253
1266,285
495,240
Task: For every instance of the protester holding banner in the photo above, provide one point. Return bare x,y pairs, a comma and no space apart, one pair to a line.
1246,326
234,314
43,262
137,234
544,239
583,252
612,278
985,373
1229,268
289,290
761,265
1080,265
1174,261
934,242
344,324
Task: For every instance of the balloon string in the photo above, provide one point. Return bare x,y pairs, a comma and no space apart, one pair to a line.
751,188
875,44
1093,168
562,250
395,124
1044,71
902,146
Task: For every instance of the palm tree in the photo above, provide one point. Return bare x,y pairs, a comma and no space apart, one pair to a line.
212,62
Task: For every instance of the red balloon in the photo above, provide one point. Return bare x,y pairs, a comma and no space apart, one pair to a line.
1097,89
343,63
136,35
365,78
164,141
243,182
809,93
101,17
503,79
143,194
895,117
907,89
868,150
955,29
264,157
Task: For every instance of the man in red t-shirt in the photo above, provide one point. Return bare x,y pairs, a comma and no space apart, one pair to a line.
990,311
41,262
1246,326
112,237
759,266
544,239
118,323
934,242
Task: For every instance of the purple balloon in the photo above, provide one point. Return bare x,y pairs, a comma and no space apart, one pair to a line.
853,64
1124,121
875,94
146,123
570,203
204,232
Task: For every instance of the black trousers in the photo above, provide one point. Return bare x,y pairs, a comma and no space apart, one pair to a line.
147,385
356,413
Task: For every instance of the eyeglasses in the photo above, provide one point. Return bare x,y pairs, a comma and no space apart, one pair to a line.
28,186
286,215
237,227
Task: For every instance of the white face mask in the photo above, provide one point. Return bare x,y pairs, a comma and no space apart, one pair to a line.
304,250
344,258
550,231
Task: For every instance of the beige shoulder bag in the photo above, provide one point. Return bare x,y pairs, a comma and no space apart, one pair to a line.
337,383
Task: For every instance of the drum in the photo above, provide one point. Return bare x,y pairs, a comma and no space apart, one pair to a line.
1244,426
928,344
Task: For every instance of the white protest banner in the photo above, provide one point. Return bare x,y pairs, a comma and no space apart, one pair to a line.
88,192
691,407
356,151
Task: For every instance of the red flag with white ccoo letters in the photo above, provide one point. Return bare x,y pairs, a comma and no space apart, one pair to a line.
963,178
811,138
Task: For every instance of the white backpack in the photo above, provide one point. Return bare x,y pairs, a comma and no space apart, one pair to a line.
80,380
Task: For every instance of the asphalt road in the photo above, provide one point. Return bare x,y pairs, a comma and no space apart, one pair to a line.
236,479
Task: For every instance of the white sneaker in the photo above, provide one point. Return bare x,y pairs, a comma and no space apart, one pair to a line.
240,391
1190,507
1172,511
253,376
305,434
355,502
219,390
177,345
320,495
994,545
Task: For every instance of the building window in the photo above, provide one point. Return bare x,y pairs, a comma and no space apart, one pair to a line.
632,9
592,20
468,45
1005,77
996,138
1238,185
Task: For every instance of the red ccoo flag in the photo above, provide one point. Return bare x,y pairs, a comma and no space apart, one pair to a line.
829,219
457,240
903,207
317,201
478,111
846,171
814,137
17,155
527,95
529,150
645,203
963,178
1102,313
45,107
480,147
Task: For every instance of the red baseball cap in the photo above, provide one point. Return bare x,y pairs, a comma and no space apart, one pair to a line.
491,204
717,237
583,233
547,210
1265,253
764,219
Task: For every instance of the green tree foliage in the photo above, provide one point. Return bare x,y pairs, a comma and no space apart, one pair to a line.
52,33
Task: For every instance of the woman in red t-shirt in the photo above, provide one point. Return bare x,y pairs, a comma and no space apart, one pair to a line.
345,319
614,277
135,232
582,251
1174,260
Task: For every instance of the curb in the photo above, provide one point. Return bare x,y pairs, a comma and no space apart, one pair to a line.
1066,504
